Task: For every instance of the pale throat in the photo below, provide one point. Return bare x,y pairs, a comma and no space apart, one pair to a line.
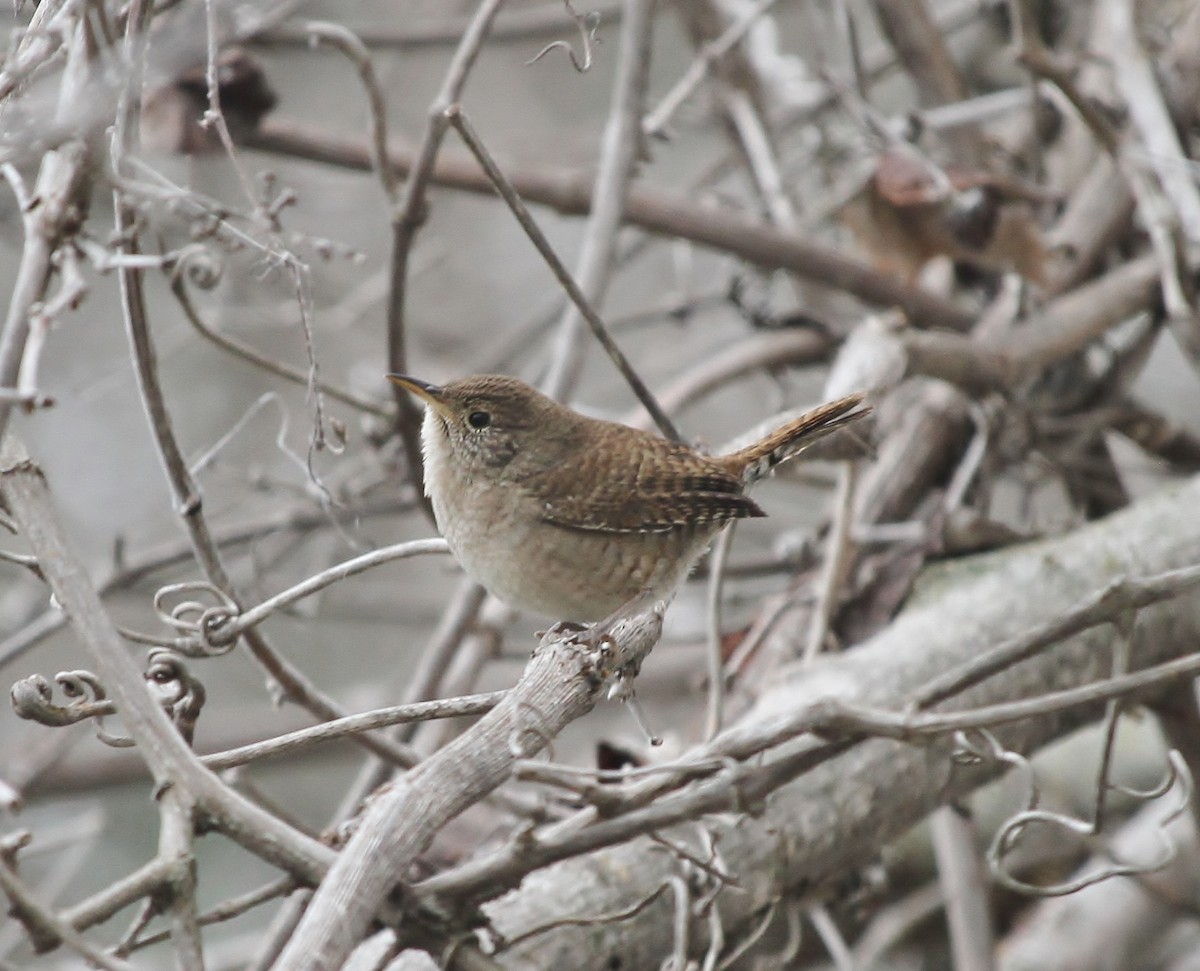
436,453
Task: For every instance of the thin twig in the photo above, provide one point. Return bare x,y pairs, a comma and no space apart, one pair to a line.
755,144
680,924
620,150
1122,647
229,909
839,555
1103,606
353,724
714,710
214,117
246,353
351,45
561,273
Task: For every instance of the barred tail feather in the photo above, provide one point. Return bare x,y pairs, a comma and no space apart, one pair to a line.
755,461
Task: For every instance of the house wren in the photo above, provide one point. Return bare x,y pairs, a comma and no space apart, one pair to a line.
575,517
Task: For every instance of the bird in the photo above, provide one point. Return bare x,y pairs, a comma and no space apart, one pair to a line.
575,517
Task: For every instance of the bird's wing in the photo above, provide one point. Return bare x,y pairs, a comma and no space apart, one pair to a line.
647,485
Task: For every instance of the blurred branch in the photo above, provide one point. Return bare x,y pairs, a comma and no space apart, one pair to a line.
40,921
910,28
702,65
1158,148
569,192
61,197
964,883
518,24
356,52
228,910
798,346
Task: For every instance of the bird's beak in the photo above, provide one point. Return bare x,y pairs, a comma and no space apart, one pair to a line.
431,394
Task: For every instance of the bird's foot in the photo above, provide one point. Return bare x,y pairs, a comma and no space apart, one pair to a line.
563,628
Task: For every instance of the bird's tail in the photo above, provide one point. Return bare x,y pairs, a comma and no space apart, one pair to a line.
754,461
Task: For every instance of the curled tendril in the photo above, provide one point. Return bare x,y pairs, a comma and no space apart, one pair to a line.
1178,777
195,621
32,698
978,746
86,688
588,24
181,695
201,266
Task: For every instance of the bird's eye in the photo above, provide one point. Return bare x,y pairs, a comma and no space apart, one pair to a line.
479,419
